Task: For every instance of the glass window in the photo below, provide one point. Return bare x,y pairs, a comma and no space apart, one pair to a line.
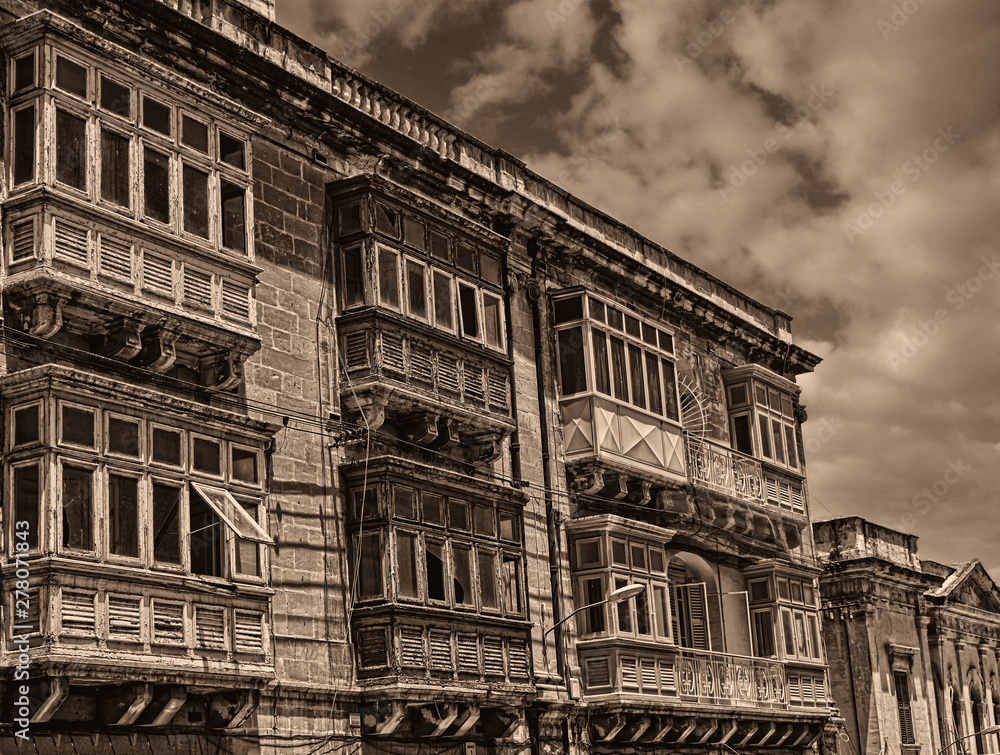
619,553
349,219
492,321
167,446
77,508
388,278
232,198
814,641
786,628
248,551
413,233
444,316
116,98
593,592
660,611
195,184
779,445
78,426
24,145
765,437
483,520
638,556
461,556
156,185
166,523
511,575
416,289
27,424
232,150
642,624
489,269
487,559
115,171
655,559
434,570
404,502
567,310
406,565
636,370
386,220
27,498
123,436
206,456
71,150
588,552
354,291
458,514
670,405
24,72
790,445
572,368
194,133
469,309
508,526
439,246
244,465
370,573
602,378
155,116
207,538
71,77
742,439
618,371
123,516
763,634
433,508
623,611
465,257
653,383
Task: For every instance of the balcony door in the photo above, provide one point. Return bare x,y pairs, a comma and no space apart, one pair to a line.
688,608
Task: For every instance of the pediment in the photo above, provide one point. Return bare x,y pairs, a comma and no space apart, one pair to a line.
970,585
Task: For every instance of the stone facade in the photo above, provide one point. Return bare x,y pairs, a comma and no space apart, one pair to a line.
912,645
329,427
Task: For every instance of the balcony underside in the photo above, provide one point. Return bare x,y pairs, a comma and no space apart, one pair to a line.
47,303
458,718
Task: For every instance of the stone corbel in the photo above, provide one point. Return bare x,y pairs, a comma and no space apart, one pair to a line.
422,429
45,316
158,348
370,405
482,447
123,340
222,372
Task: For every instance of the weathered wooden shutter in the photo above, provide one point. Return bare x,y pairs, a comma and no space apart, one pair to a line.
116,258
78,613
249,632
158,274
903,704
168,622
125,617
210,627
71,242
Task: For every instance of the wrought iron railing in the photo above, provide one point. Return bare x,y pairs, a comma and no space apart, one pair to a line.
724,469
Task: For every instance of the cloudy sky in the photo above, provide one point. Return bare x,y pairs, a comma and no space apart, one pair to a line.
839,160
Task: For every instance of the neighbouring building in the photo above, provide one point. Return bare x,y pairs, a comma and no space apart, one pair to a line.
323,419
913,646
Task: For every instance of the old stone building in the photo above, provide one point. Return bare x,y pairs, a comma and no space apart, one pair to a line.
913,646
329,427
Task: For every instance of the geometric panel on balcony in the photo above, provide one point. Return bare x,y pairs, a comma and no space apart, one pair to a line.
577,426
674,452
641,440
608,433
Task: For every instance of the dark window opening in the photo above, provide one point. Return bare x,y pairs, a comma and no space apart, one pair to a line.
462,558
116,98
567,310
123,436
24,72
195,201
71,77
742,439
406,565
487,578
231,151
24,145
156,185
194,133
78,426
166,524
207,538
386,220
115,168
156,116
618,371
232,197
443,308
416,291
123,516
465,257
388,278
77,509
71,150
413,233
434,570
26,425
370,576
245,465
594,593
572,365
354,290
470,311
167,446
207,456
26,502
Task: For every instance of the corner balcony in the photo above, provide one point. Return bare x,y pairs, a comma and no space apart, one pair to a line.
667,694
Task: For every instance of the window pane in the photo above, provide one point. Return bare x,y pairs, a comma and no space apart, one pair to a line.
71,150
615,319
642,625
231,151
635,371
245,465
115,98
24,145
443,308
413,233
786,626
406,565
71,77
78,426
26,425
741,434
779,444
594,593
439,246
602,378
404,502
370,576
194,133
167,446
156,185
511,575
26,502
800,635
166,524
434,570
123,516
354,292
77,509
631,326
492,321
388,278
416,292
247,557
597,310
470,313
791,447
653,383
207,455
488,578
24,72
156,116
123,436
660,610
508,526
207,538
458,514
638,557
588,553
763,634
619,554
433,508
566,310
463,575
670,405
195,201
624,610
115,168
572,370
618,371
765,437
489,269
814,636
483,520
386,220
234,216
465,257
349,219
738,395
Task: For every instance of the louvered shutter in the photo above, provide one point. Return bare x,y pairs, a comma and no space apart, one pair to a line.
667,676
473,381
422,363
23,240
158,274
647,673
392,352
493,656
235,300
372,650
440,645
903,704
197,287
794,689
78,612
468,653
499,400
517,655
356,350
71,243
168,622
448,373
630,678
411,647
125,617
249,634
210,627
698,612
116,258
772,489
598,672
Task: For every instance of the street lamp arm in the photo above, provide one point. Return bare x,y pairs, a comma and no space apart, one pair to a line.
616,596
987,730
571,615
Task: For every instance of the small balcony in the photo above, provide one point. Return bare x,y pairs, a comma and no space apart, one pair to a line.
725,470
